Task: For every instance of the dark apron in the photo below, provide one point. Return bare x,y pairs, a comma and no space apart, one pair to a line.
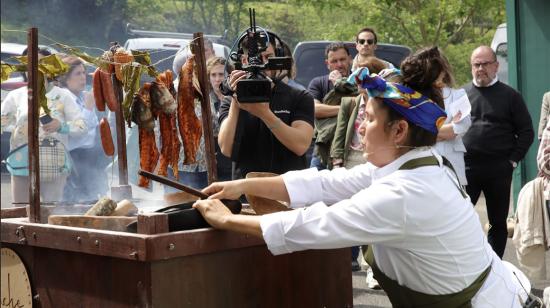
401,296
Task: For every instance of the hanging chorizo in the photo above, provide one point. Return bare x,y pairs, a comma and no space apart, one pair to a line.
106,137
98,92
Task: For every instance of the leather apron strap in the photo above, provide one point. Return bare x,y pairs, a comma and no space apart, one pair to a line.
401,296
432,161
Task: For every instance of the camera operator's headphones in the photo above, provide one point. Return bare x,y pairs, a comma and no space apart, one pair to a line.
266,35
237,50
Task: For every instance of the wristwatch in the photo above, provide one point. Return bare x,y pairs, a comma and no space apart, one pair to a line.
514,164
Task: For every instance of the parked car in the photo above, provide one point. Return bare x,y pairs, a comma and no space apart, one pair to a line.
165,48
9,50
16,80
500,46
309,57
164,45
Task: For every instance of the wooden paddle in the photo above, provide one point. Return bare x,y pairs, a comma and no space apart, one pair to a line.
172,183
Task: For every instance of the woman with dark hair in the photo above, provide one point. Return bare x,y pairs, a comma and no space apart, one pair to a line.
426,244
449,138
88,179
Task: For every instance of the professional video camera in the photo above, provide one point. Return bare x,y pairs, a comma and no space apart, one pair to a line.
256,87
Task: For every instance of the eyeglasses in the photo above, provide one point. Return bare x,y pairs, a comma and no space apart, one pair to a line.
363,41
482,64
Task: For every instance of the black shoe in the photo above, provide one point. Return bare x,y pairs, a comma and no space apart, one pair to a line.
355,266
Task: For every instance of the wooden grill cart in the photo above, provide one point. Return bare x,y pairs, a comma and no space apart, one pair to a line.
60,266
77,267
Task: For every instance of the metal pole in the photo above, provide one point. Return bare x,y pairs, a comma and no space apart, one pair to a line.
123,190
197,48
34,168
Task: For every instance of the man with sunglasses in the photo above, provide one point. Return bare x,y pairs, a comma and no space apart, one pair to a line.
365,42
498,139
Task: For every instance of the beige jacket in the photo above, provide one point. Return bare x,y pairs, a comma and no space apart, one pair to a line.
532,225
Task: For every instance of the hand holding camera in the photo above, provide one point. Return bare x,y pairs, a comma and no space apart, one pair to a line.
235,77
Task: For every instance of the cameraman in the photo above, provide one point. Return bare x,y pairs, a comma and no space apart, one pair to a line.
268,136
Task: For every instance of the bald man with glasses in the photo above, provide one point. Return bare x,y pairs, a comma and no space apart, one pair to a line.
498,139
366,42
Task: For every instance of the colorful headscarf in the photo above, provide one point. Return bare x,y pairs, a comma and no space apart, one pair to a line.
412,105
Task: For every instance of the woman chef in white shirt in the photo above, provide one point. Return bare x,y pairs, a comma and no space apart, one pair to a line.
427,247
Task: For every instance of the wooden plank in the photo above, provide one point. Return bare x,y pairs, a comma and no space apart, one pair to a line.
45,211
152,223
32,110
197,48
247,277
113,223
70,279
14,212
97,242
125,245
200,241
252,277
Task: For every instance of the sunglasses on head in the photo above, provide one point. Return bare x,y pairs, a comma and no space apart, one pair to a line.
363,41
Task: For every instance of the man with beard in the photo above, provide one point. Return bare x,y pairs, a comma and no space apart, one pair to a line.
338,61
498,139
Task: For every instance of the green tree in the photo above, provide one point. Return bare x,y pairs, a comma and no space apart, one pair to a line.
456,26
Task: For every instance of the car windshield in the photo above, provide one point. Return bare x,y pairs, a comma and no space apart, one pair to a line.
8,58
166,58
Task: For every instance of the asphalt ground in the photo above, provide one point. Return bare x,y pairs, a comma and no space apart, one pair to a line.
362,296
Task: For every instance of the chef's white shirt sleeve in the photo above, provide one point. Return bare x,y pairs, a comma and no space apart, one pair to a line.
310,185
373,215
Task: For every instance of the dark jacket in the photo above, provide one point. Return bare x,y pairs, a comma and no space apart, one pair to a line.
501,125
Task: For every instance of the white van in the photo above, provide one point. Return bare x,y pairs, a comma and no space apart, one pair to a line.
164,49
500,46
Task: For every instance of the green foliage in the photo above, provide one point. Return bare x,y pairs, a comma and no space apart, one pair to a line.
459,56
456,26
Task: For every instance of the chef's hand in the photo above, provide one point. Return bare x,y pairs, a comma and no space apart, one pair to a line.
224,190
214,211
52,127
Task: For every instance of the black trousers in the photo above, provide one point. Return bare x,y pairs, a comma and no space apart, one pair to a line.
494,179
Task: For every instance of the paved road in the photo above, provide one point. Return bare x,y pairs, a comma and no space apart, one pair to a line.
362,296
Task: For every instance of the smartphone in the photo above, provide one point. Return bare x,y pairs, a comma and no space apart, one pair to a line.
45,119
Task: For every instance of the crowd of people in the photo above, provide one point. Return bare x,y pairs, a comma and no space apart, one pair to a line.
400,159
